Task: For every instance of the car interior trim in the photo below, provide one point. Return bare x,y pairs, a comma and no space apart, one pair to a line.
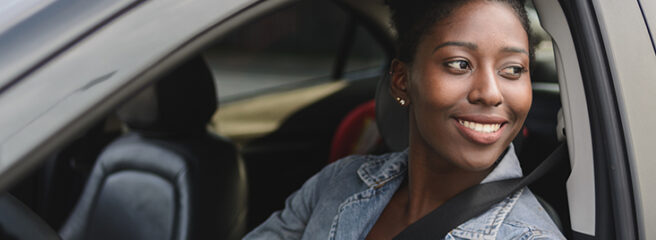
582,236
628,49
614,188
580,185
20,222
345,47
371,21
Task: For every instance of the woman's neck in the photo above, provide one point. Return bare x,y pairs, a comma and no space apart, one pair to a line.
432,180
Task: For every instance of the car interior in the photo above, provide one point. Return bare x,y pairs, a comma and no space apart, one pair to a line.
298,87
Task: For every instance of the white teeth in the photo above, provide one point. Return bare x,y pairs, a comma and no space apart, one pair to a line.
480,127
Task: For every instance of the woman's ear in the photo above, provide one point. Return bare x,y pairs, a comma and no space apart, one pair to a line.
399,82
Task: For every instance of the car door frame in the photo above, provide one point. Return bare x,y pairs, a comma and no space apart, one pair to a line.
617,155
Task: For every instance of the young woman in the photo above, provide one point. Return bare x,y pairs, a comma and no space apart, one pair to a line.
462,72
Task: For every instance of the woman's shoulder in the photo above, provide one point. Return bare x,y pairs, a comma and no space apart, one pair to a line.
520,216
529,220
354,173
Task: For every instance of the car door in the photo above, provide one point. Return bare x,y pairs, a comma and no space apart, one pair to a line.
605,60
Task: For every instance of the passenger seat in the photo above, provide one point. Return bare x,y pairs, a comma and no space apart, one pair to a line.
168,178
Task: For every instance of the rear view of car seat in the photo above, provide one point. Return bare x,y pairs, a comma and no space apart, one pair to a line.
168,178
357,133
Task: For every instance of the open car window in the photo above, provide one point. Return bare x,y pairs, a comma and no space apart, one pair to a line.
281,62
292,47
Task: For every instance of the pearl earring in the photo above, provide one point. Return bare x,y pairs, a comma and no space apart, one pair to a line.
401,101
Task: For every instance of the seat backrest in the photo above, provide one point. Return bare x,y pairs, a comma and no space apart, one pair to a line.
168,178
357,133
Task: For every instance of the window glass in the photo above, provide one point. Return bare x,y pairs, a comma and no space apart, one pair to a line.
287,48
280,63
367,56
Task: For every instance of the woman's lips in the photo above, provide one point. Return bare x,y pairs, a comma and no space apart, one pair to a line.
484,131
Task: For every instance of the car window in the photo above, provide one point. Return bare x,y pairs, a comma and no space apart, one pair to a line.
286,60
364,57
287,47
285,81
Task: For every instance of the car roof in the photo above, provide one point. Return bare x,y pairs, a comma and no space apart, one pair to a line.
32,31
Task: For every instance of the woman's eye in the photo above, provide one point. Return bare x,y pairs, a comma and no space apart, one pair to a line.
512,72
458,65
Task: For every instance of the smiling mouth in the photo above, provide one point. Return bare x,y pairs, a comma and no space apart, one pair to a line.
481,127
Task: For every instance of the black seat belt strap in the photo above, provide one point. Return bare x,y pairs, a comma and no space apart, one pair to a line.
475,200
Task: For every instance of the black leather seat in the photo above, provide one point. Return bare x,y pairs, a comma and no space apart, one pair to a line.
168,178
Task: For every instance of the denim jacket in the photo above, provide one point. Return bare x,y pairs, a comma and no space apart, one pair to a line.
344,200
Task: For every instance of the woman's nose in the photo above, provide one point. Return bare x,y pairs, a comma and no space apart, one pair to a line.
485,89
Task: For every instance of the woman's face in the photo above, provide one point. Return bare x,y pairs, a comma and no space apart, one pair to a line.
468,85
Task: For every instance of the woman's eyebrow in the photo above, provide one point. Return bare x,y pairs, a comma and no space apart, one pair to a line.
514,50
469,45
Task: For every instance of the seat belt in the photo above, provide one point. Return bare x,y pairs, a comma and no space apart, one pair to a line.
475,201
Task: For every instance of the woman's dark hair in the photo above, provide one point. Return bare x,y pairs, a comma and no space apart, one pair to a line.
413,19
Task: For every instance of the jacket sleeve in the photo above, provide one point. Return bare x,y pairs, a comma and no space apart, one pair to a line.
290,222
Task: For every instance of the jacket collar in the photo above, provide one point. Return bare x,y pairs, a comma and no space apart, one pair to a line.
507,168
376,172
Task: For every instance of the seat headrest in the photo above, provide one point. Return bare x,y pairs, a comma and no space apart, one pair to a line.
392,119
182,101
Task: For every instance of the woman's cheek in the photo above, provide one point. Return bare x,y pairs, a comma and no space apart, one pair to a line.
519,98
527,97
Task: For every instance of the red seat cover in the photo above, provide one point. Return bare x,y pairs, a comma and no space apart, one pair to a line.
357,133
